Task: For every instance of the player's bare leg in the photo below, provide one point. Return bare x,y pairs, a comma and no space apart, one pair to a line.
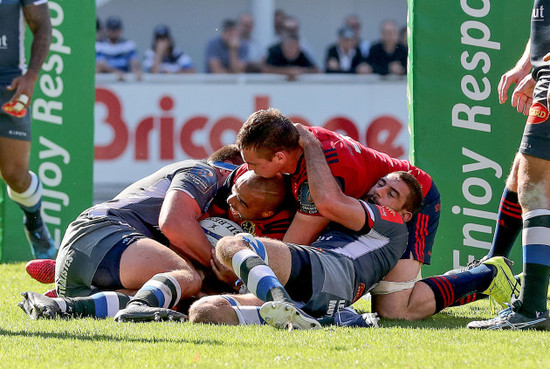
161,277
25,189
264,265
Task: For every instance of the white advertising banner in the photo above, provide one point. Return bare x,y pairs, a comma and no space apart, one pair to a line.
139,127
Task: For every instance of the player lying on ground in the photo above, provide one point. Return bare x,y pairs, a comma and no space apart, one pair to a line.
270,144
302,282
127,241
489,278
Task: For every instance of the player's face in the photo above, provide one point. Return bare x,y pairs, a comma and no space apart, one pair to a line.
390,192
262,167
245,203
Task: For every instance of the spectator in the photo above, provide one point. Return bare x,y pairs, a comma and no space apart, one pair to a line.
291,26
344,56
388,56
115,54
278,22
245,27
352,21
164,57
227,53
288,58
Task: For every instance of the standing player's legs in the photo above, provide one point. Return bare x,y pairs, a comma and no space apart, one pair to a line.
25,188
533,185
509,222
534,196
161,278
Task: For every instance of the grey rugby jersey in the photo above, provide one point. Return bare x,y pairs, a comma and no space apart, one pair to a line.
12,31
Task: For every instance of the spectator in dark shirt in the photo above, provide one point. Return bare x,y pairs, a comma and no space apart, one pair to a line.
388,56
344,56
352,21
288,58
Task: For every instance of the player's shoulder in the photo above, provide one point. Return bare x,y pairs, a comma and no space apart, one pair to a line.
377,213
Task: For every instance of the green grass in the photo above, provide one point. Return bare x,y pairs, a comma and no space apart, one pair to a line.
438,342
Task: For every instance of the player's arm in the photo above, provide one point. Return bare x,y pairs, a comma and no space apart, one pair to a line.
38,19
515,75
305,229
178,222
329,199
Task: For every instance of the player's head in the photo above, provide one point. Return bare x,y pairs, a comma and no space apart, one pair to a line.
228,153
264,139
254,197
399,191
113,28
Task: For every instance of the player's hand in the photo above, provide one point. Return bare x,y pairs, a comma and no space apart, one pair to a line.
23,85
223,273
514,75
306,137
522,97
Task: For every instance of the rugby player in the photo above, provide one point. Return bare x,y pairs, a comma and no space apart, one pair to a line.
257,198
270,144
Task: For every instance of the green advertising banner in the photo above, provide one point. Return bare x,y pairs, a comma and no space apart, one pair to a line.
460,134
62,128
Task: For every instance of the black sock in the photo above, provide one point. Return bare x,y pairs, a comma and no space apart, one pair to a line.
508,226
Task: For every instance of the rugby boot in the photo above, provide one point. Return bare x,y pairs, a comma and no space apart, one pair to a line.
284,315
43,270
348,317
512,320
38,306
137,311
471,265
504,285
41,241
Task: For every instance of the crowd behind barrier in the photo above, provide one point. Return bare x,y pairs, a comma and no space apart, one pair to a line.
234,50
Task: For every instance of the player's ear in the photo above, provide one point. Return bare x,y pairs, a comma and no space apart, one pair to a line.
267,213
279,155
406,215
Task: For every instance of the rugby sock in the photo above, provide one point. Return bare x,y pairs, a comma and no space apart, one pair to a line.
536,262
99,305
29,201
508,226
162,290
470,298
258,277
247,315
448,289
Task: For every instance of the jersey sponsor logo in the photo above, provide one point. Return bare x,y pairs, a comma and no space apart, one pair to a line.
249,227
359,292
389,214
538,113
305,200
538,14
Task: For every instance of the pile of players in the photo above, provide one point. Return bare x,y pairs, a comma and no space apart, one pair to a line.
327,220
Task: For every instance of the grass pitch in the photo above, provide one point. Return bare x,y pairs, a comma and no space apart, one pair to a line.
438,342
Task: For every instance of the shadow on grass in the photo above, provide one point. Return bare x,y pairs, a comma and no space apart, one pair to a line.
105,337
442,320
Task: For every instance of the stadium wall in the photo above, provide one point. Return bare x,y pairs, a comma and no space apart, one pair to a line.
141,126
